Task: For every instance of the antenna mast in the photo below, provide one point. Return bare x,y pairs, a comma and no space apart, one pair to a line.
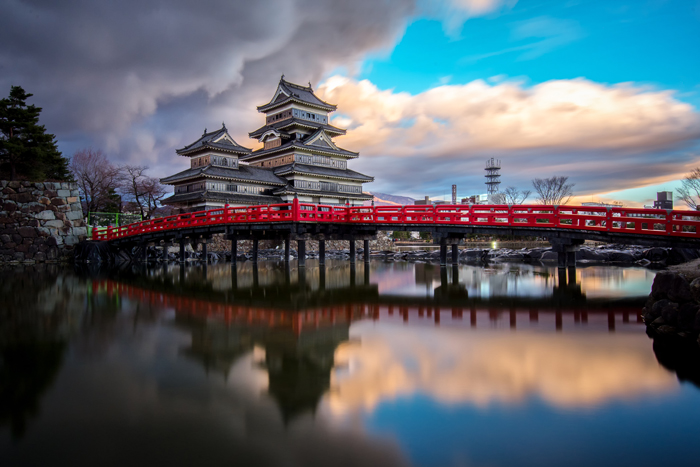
493,176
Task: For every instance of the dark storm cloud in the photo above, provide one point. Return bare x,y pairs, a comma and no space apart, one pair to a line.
139,78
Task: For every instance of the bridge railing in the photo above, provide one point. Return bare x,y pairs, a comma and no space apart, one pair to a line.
589,218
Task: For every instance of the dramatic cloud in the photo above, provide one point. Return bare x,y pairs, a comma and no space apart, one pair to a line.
569,371
140,78
599,129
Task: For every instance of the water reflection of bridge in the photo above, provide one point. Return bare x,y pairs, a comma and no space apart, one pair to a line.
301,320
309,301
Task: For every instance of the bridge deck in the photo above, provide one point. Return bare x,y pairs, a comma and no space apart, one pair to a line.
624,225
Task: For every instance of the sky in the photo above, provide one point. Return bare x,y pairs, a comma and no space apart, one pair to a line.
605,92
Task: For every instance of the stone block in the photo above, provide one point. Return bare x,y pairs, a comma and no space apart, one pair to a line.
8,191
50,193
79,231
22,248
13,184
46,215
43,232
32,223
74,215
78,223
27,232
21,197
63,193
58,201
26,183
39,256
64,208
76,207
75,193
4,238
17,238
71,240
54,224
39,186
3,183
9,206
37,208
72,199
53,240
44,200
10,245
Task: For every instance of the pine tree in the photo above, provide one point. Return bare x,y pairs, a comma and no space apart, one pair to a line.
26,150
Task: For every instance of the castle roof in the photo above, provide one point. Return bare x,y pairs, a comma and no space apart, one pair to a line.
281,125
289,92
230,198
217,140
322,171
244,173
287,190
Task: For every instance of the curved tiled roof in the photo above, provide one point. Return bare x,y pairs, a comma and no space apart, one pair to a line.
322,171
279,125
295,92
230,198
213,140
245,173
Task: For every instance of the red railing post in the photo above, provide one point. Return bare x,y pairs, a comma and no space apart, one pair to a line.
295,210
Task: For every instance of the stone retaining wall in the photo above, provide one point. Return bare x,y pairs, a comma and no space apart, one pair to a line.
218,244
39,221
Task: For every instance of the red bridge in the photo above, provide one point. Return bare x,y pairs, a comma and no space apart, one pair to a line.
566,227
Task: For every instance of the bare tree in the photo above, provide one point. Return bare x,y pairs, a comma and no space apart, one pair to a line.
97,179
553,190
689,192
154,192
144,192
515,196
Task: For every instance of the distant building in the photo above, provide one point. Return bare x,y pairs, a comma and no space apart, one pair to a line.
476,199
664,200
298,159
423,202
602,205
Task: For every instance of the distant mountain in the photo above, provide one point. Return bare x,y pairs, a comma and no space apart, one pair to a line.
384,199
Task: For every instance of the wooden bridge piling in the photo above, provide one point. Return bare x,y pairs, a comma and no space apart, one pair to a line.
321,252
366,252
352,250
301,251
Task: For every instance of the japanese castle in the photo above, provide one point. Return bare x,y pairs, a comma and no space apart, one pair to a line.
298,159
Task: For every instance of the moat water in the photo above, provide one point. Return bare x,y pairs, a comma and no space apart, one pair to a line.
391,364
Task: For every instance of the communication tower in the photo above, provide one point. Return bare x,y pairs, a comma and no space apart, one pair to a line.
493,175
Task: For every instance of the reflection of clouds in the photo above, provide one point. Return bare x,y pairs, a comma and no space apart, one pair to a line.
483,368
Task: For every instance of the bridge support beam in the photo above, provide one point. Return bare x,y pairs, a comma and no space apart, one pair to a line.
455,253
234,250
352,251
204,250
301,251
566,249
182,250
287,241
255,250
166,245
321,252
366,251
443,252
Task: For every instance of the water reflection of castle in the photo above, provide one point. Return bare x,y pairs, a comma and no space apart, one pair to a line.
299,317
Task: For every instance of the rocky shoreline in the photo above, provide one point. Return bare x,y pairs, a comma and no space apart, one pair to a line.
673,307
655,258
